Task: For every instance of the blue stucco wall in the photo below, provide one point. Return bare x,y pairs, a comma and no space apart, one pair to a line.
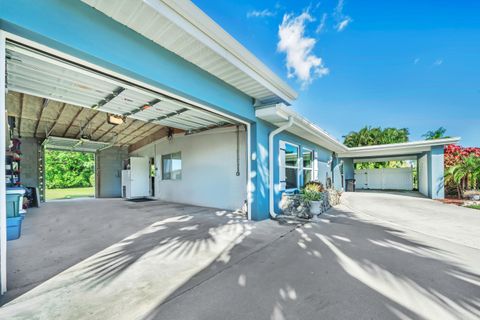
82,31
323,156
259,169
436,173
75,28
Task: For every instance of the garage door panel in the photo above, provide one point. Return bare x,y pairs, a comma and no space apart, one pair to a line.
385,179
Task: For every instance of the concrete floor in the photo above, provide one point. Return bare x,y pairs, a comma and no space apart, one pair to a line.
210,264
62,233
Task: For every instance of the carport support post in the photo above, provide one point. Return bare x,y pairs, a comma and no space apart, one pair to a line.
436,172
3,198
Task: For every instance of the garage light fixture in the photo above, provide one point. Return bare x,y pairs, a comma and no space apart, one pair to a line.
115,120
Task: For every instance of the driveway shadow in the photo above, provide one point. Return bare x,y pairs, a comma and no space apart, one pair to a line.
337,268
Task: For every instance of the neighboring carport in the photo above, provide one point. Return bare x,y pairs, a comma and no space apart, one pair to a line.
427,155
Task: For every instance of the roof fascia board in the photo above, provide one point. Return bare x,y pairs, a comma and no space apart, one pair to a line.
196,23
279,113
404,148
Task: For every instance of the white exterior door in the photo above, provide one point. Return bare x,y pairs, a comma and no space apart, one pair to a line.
385,179
139,177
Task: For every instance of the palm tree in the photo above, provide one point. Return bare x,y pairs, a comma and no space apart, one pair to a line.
368,136
459,174
436,134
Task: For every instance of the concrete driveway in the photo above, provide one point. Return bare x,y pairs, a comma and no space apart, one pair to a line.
345,265
413,211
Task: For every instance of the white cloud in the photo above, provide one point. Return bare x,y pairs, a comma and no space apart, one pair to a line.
343,24
322,23
260,13
342,20
300,61
438,62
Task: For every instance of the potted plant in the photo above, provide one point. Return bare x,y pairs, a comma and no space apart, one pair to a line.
312,194
314,200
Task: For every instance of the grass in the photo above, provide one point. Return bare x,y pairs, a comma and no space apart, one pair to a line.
475,206
69,193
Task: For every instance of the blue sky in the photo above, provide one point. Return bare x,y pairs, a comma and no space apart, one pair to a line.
413,64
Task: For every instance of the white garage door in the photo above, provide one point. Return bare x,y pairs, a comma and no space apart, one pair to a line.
385,179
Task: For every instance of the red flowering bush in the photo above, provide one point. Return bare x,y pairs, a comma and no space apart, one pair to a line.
455,154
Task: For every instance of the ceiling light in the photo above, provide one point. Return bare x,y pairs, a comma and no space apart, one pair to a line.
115,119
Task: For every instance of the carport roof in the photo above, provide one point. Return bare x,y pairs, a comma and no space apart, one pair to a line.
397,149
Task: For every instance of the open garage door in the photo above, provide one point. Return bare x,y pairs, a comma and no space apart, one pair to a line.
57,103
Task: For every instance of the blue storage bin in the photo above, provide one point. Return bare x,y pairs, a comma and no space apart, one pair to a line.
13,204
14,227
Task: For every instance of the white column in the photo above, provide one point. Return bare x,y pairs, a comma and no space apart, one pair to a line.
3,200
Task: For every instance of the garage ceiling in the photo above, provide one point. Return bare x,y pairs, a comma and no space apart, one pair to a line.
39,117
51,95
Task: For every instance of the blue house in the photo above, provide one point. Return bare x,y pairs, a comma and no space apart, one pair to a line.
160,80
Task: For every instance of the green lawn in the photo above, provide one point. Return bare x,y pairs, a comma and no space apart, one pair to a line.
474,207
70,193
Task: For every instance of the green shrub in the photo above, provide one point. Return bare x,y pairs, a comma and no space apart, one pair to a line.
64,169
92,180
309,195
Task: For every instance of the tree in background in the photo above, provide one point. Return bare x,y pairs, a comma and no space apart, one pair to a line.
64,169
368,136
436,134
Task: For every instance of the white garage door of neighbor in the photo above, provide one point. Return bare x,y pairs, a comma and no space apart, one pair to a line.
384,179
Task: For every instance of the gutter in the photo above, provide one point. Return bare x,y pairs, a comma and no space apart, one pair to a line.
270,164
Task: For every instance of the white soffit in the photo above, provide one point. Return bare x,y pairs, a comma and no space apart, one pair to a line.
38,74
278,114
181,27
68,144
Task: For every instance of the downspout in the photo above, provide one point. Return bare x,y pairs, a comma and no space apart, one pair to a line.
270,163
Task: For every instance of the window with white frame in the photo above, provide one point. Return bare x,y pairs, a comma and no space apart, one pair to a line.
289,155
307,159
172,166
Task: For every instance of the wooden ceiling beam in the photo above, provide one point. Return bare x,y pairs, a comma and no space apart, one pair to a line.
73,120
62,108
139,135
107,132
86,124
127,127
98,127
22,100
43,107
157,135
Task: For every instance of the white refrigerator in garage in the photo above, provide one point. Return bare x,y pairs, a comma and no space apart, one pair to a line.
136,178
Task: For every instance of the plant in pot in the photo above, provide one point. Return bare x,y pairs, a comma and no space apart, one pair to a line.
314,200
312,194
